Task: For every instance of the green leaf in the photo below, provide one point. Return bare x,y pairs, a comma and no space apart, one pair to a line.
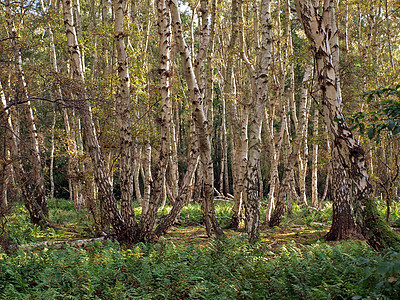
371,132
362,128
384,268
391,125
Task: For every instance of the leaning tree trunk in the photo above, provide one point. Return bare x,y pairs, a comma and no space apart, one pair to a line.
198,117
320,30
106,196
36,200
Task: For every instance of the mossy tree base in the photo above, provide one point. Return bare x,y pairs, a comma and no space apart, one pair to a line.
374,228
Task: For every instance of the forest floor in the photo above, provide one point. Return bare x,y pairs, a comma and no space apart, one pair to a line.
289,262
274,237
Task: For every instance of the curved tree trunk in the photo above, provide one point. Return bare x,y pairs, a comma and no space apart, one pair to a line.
106,197
322,34
199,117
36,198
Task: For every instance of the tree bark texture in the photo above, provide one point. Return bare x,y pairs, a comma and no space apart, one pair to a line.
257,111
322,34
106,197
36,198
199,118
158,182
124,117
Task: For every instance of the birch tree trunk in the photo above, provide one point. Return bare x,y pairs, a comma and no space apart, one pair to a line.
106,197
71,141
51,167
36,202
11,125
147,178
275,149
4,157
314,165
257,111
124,117
288,178
322,34
199,117
158,182
239,158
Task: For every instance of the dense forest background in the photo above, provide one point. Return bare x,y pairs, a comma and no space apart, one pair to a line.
95,105
127,120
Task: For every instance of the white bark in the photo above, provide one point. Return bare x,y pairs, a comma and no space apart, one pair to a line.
322,34
314,165
257,111
198,116
124,116
36,201
106,196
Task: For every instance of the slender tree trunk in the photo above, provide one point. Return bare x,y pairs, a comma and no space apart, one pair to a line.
4,141
78,27
158,184
147,178
37,205
328,174
173,172
124,117
233,120
288,176
314,165
198,116
257,111
274,159
138,166
12,134
53,125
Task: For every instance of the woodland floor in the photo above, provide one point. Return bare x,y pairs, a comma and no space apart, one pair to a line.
289,262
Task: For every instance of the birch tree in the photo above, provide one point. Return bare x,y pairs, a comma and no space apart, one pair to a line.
106,197
199,117
35,195
257,110
319,25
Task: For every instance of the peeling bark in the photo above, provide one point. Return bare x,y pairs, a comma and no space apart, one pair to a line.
257,111
199,118
35,199
322,34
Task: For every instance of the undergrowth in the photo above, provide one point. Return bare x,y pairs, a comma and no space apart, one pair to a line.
279,267
221,270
